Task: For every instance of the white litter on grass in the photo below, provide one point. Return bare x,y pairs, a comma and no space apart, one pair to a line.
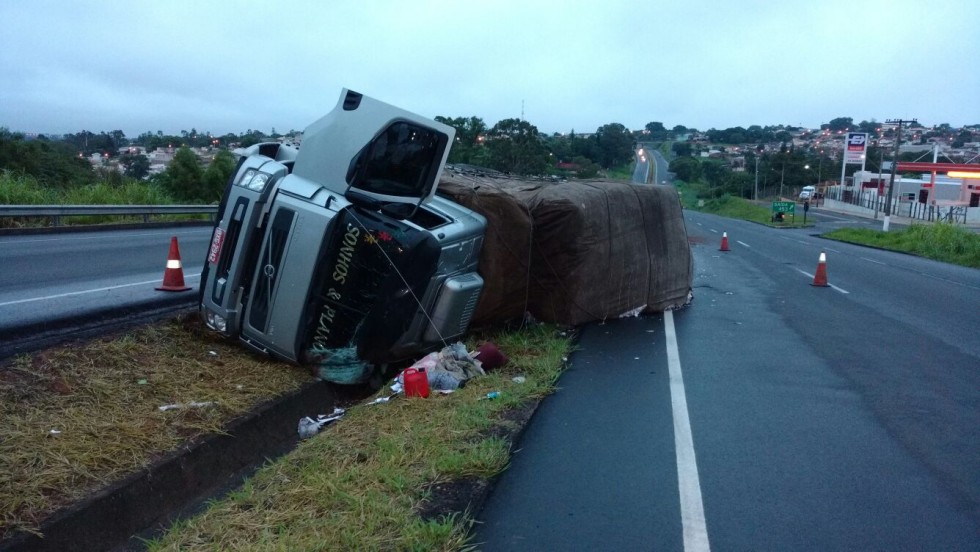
213,353
54,432
176,406
308,427
518,379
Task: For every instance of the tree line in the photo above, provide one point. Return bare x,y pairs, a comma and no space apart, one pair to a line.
56,165
516,146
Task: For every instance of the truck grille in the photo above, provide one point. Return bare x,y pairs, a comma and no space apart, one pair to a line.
267,271
470,308
228,247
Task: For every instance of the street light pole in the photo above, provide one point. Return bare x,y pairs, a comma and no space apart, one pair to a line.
755,196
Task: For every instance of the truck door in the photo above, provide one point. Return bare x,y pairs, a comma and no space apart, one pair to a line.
374,149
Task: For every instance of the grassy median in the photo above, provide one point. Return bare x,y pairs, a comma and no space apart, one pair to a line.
387,476
940,241
78,417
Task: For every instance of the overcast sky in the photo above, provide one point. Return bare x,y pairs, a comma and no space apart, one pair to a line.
224,66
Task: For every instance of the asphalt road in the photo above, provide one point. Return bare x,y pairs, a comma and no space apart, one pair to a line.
651,166
770,415
55,276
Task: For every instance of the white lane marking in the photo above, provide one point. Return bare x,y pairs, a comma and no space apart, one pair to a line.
80,238
825,215
84,291
831,250
811,276
689,486
743,243
713,230
871,260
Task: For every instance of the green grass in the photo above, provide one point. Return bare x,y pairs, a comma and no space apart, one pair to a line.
102,398
18,189
735,207
368,482
361,483
624,172
940,241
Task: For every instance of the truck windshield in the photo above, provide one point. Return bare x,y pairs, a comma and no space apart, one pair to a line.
399,161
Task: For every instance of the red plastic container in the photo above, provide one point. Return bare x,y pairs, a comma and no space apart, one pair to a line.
416,382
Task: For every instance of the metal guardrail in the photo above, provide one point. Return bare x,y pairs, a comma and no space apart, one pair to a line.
146,211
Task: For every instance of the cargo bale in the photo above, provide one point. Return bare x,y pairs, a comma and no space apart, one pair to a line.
578,251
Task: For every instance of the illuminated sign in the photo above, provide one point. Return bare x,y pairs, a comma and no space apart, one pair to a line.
856,146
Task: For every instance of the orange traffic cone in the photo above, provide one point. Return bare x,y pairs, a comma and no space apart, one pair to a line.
820,279
724,242
173,277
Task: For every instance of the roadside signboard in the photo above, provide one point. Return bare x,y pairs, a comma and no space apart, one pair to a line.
856,145
784,207
780,208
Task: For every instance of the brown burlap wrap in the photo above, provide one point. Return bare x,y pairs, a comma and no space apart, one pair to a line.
576,251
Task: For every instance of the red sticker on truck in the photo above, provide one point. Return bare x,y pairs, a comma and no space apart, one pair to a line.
216,241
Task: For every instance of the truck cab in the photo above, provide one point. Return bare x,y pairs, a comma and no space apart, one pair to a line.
341,245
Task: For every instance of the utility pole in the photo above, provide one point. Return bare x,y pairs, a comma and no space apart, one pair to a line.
891,183
756,195
881,163
781,175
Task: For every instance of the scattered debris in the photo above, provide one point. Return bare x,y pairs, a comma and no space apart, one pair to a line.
491,395
176,406
633,313
308,427
490,356
142,382
451,367
518,379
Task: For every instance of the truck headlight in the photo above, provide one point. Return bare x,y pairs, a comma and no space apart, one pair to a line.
217,322
254,180
246,178
258,182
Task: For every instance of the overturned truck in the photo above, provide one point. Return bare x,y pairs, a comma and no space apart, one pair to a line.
340,254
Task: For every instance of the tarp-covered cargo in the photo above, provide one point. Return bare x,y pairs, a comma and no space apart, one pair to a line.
576,251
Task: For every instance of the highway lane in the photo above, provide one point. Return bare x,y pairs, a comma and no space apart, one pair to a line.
863,397
661,174
53,276
641,172
820,418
